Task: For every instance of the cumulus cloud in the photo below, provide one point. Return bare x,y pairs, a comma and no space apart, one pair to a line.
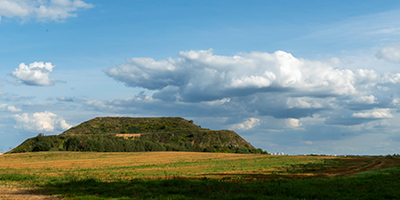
389,53
41,121
42,10
374,114
36,74
66,99
203,76
246,125
292,123
263,84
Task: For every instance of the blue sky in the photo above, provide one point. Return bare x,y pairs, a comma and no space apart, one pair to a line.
288,76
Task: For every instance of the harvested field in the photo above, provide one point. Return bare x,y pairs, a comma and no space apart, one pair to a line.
47,169
108,166
14,193
144,164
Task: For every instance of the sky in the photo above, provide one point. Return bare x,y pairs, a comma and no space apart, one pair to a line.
290,76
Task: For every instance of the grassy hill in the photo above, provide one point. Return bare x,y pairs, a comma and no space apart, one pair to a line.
126,134
116,125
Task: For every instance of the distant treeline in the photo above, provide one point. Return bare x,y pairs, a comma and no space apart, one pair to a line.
97,143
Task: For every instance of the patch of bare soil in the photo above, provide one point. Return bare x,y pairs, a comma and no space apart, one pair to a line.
127,136
14,193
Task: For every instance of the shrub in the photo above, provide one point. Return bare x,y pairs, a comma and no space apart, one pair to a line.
242,151
208,149
174,147
42,143
72,144
189,146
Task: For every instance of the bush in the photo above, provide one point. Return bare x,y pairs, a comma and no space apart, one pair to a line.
189,146
153,146
72,144
208,149
245,151
95,145
42,143
174,147
197,148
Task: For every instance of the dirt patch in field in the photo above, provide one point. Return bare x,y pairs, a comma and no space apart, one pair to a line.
14,193
128,136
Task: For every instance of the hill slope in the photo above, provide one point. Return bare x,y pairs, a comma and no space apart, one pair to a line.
106,125
139,134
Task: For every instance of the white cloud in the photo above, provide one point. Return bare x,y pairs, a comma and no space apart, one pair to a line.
36,74
305,102
378,113
67,99
215,77
9,108
217,102
42,10
254,81
248,124
309,142
292,123
371,99
41,121
202,76
261,84
389,53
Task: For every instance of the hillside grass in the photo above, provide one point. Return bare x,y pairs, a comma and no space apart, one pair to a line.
190,175
105,125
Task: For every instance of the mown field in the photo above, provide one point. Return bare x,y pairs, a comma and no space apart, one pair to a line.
191,175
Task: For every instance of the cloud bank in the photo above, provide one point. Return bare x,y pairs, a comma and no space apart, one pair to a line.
262,84
42,10
36,74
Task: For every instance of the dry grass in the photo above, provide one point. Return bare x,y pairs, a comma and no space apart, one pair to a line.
87,175
110,166
161,165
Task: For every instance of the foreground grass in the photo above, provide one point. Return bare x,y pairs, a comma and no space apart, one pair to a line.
383,184
194,176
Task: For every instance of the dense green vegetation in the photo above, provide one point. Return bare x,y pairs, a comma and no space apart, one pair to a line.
153,134
107,125
109,143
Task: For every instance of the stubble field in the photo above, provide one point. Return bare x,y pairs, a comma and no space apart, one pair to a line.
189,175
